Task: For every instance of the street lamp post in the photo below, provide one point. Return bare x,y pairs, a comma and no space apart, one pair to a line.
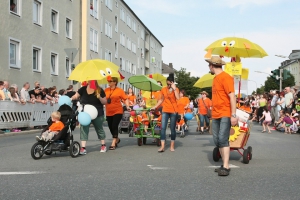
255,84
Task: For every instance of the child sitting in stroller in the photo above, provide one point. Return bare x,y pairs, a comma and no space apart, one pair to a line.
54,129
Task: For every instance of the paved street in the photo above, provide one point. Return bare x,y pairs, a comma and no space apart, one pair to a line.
133,172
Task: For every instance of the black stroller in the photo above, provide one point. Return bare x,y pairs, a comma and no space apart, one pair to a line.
63,141
125,124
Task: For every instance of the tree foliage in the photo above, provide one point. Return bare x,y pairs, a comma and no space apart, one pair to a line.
185,81
271,83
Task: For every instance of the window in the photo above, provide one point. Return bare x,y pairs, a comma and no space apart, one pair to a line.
15,7
116,3
133,48
126,66
133,26
68,67
94,8
116,50
108,4
107,55
68,28
142,34
36,59
116,23
93,40
128,21
37,12
122,14
122,39
14,53
54,64
108,29
122,64
54,21
128,44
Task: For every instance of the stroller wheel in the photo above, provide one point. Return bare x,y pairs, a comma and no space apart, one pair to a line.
74,149
37,150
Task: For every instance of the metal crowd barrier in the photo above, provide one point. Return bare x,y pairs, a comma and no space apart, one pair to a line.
15,115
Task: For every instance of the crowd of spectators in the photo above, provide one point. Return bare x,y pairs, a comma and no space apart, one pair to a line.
284,108
27,95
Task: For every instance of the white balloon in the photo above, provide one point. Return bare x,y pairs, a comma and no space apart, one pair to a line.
91,110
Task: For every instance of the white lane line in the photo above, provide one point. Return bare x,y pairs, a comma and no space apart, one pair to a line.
19,173
230,166
159,168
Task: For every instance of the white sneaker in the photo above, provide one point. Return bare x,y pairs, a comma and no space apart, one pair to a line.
103,149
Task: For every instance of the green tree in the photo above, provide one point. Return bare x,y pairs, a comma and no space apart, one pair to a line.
185,81
271,83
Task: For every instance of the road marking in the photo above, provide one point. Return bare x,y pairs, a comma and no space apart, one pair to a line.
155,168
19,173
230,166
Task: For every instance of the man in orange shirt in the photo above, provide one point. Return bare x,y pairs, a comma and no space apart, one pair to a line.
223,110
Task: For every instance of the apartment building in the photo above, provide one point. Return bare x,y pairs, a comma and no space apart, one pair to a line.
294,67
34,35
127,42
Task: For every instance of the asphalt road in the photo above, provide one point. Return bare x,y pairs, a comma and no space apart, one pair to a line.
133,172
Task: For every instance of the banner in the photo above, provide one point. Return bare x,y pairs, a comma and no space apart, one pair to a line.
233,68
244,83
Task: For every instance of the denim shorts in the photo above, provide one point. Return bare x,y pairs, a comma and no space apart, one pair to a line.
221,131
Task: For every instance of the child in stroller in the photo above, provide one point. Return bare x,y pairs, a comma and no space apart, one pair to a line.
68,118
181,126
54,129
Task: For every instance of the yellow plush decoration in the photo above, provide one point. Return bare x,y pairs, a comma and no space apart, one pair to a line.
234,133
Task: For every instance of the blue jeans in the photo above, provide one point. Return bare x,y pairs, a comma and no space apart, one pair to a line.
164,124
221,131
202,118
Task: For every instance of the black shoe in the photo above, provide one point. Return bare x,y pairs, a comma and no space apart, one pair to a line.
217,169
223,172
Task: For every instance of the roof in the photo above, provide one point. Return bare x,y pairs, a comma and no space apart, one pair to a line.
141,21
166,69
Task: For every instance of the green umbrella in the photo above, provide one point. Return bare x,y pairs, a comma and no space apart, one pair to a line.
145,83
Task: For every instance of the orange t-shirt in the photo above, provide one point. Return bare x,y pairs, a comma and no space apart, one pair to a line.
182,103
170,101
246,109
116,95
202,109
223,85
180,123
145,118
131,99
56,126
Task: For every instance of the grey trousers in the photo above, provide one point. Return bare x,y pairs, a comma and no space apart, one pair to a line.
274,113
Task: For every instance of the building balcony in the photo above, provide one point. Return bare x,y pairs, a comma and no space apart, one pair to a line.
147,64
147,46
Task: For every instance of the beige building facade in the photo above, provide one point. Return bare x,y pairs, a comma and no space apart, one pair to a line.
34,35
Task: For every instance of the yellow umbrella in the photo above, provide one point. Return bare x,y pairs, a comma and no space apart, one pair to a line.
235,47
158,77
95,70
205,81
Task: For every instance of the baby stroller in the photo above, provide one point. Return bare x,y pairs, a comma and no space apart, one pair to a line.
125,124
63,141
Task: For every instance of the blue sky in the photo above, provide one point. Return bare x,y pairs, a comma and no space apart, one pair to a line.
187,27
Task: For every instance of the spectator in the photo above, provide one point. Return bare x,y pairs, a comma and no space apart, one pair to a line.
288,99
14,95
12,6
35,95
6,92
61,92
274,111
25,94
2,95
36,84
